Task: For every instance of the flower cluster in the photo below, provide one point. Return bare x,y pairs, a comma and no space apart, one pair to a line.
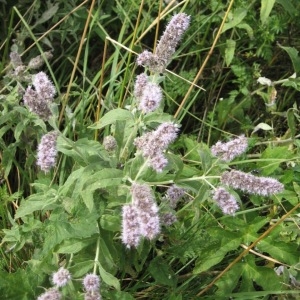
148,94
38,99
228,151
47,151
61,277
174,194
263,186
152,144
91,284
225,201
51,294
140,218
158,61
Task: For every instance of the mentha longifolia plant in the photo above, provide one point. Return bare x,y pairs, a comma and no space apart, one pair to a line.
133,178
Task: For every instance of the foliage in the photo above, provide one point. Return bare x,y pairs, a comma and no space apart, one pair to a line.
72,215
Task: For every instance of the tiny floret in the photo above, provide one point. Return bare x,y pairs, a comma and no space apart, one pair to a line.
47,151
228,151
61,277
263,186
43,86
91,282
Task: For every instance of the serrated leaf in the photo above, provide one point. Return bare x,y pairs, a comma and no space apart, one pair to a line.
229,51
72,246
111,117
285,253
265,10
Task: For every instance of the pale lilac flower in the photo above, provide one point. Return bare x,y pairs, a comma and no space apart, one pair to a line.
151,98
91,282
147,210
47,151
152,144
131,234
225,201
246,182
139,85
158,162
43,86
51,294
168,219
92,295
174,194
166,47
228,151
109,143
147,59
36,103
61,277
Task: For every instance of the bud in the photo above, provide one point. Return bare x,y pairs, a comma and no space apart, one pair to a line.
264,81
109,143
38,61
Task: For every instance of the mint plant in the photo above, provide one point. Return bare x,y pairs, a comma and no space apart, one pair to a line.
130,204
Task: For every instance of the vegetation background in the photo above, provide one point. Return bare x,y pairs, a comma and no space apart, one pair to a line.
72,215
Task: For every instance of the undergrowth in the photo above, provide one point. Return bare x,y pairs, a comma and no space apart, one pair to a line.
145,160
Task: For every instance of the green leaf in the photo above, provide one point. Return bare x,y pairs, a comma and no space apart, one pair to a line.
72,246
102,179
109,279
39,201
111,117
162,272
293,54
285,253
238,15
288,6
266,7
48,14
110,223
78,270
228,241
229,51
